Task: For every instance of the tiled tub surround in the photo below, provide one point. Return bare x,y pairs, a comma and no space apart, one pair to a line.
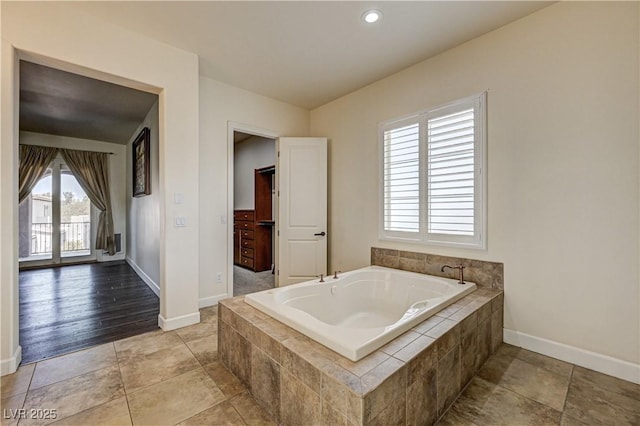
411,380
481,272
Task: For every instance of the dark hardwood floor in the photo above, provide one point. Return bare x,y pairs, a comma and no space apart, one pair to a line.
64,309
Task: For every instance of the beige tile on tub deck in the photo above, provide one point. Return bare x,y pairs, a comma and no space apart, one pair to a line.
400,342
265,382
113,413
18,382
448,379
301,369
382,386
329,416
422,398
174,400
74,364
148,369
77,394
299,404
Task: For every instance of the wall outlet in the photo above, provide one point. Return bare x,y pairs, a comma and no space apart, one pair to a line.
218,277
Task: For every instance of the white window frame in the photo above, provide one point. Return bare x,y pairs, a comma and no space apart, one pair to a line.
479,239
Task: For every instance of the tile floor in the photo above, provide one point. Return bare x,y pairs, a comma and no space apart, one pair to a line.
175,378
519,387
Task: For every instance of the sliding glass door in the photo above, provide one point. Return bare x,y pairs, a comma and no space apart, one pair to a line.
56,220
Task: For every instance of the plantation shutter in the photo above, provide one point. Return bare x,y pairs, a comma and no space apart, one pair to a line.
401,183
451,173
433,179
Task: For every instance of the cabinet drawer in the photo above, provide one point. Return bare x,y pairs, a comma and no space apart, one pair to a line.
244,215
246,261
246,243
246,235
241,224
247,252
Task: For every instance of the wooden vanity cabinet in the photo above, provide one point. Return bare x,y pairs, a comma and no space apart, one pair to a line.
253,229
243,237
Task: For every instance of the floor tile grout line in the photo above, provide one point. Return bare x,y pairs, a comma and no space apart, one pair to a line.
202,366
163,380
71,377
124,389
529,398
566,396
88,408
227,398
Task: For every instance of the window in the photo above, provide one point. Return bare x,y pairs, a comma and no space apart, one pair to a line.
432,182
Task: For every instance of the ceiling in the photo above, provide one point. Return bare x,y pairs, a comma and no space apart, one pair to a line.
61,103
304,53
308,53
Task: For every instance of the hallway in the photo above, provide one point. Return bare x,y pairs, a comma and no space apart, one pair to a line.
64,309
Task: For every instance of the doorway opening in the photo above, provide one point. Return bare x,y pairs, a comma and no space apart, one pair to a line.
254,212
71,295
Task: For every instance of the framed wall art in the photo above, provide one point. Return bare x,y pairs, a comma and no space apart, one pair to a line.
141,164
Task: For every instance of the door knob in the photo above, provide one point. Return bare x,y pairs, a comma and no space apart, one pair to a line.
320,234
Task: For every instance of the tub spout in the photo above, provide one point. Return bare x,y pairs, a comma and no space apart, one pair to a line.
460,268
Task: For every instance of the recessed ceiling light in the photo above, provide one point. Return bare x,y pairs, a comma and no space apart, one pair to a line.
371,16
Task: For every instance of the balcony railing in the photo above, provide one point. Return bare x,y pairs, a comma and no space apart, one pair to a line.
74,237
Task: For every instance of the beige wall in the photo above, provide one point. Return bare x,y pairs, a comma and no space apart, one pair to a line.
221,104
250,154
563,167
56,35
143,213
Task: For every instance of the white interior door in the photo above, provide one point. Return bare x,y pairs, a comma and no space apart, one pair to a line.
301,231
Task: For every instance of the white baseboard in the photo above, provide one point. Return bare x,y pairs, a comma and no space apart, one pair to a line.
594,361
147,280
178,322
205,302
10,365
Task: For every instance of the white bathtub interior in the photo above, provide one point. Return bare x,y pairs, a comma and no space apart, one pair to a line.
363,309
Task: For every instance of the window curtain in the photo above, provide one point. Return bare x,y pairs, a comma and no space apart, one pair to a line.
34,161
91,170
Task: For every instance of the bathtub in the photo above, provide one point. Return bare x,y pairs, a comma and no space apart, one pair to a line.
361,310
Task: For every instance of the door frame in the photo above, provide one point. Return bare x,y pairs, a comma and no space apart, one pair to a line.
9,271
233,127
